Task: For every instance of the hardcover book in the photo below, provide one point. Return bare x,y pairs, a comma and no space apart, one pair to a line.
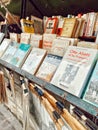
25,38
38,24
59,47
51,25
27,26
48,40
36,40
69,27
91,92
34,60
75,69
48,67
10,51
4,45
20,55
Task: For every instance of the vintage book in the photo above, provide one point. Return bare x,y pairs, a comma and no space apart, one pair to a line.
95,31
91,92
74,70
38,25
34,60
60,26
86,44
48,67
25,38
15,37
69,27
48,40
20,55
59,47
1,37
73,41
36,40
51,25
10,51
4,45
27,26
90,24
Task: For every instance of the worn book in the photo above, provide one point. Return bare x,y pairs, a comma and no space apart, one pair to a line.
36,40
48,40
25,38
59,47
34,60
87,44
10,51
60,26
27,26
69,27
20,55
91,92
48,67
51,25
74,70
38,25
4,45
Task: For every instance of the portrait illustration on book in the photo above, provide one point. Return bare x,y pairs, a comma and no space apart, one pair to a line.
69,74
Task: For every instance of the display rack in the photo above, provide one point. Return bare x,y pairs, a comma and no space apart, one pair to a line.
63,95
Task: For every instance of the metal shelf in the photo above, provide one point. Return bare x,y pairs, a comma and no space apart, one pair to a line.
63,95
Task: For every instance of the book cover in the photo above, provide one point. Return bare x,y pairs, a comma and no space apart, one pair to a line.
25,38
59,47
4,45
86,44
60,26
38,25
74,70
34,60
68,27
15,37
36,40
51,25
48,67
20,55
91,92
10,51
48,40
27,25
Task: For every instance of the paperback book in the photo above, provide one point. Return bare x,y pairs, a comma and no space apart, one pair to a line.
20,55
59,47
74,70
25,38
4,45
34,60
36,40
10,51
48,67
91,92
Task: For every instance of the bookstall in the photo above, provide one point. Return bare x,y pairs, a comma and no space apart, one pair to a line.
51,69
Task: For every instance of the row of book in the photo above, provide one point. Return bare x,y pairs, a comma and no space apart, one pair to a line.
71,26
71,71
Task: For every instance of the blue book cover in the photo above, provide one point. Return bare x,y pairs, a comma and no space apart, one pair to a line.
91,92
20,55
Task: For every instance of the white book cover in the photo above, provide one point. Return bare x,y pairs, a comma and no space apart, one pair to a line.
48,67
25,38
36,40
20,55
34,60
59,47
10,51
4,45
74,69
91,92
48,40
